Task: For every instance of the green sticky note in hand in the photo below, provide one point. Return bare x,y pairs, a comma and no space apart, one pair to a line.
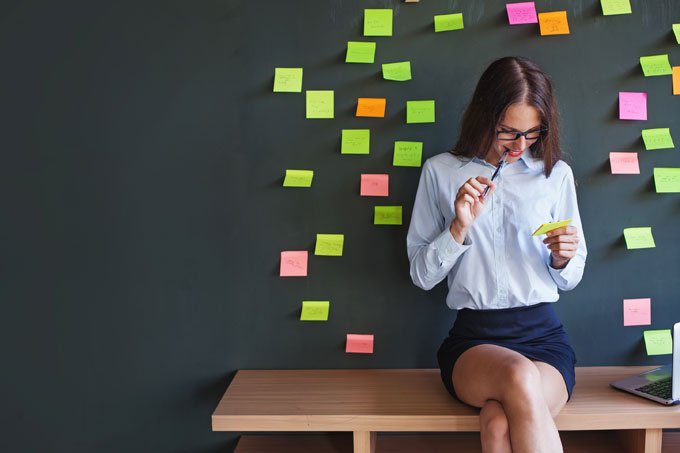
407,154
377,22
419,112
639,238
287,80
320,104
657,138
448,22
315,310
360,52
387,215
658,342
611,7
667,180
329,244
397,71
676,31
355,141
656,65
547,227
298,178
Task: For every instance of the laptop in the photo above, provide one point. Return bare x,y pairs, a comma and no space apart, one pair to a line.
660,384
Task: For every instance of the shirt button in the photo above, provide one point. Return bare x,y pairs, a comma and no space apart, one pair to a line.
499,229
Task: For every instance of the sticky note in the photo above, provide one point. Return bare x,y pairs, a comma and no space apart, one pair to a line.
667,180
676,31
638,238
361,344
387,215
448,22
298,178
355,141
624,163
547,227
676,80
611,7
287,80
377,22
657,138
315,310
637,312
329,244
655,65
374,185
407,154
658,342
553,23
371,107
521,13
419,112
360,52
400,71
632,106
320,104
294,263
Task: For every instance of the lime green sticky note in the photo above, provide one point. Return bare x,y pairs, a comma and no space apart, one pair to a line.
320,104
329,244
667,180
419,112
287,80
360,52
397,71
546,227
611,7
658,342
448,22
377,22
298,178
676,30
355,141
657,138
315,310
639,238
407,154
656,65
387,215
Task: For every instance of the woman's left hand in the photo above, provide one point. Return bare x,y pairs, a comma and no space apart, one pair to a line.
563,243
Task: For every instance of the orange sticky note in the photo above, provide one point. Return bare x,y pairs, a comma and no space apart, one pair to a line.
374,185
294,263
362,344
624,163
553,23
637,312
371,107
676,79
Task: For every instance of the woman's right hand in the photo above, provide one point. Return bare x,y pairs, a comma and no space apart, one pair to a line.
468,205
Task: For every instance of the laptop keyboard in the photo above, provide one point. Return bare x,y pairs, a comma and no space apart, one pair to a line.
660,389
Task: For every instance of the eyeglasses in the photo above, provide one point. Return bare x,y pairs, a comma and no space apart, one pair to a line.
515,135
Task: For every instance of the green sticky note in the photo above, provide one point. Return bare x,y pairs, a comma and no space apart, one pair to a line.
676,31
639,238
298,178
658,342
656,65
377,22
397,71
419,112
448,22
320,104
287,80
667,180
315,310
657,138
407,154
387,215
329,244
611,7
360,52
355,141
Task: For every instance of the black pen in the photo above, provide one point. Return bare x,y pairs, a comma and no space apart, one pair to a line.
495,173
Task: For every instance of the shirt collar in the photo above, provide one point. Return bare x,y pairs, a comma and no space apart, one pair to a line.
530,161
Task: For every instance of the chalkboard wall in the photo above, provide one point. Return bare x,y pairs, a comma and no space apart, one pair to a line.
144,214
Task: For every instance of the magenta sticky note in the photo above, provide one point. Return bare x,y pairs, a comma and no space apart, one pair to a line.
361,344
374,185
624,163
522,13
294,263
632,106
637,312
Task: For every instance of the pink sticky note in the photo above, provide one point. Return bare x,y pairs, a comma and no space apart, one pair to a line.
637,312
294,263
624,163
374,185
362,344
632,106
522,13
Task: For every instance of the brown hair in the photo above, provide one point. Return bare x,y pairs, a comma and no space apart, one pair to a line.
508,81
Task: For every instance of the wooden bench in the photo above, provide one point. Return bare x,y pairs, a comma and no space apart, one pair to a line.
364,403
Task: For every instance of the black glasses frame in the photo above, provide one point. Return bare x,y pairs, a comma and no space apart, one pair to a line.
525,134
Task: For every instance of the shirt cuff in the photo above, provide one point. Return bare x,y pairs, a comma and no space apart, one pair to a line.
564,275
447,248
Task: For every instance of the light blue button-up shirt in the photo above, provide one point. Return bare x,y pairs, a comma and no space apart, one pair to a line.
499,265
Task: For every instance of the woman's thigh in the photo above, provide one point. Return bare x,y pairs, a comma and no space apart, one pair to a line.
554,387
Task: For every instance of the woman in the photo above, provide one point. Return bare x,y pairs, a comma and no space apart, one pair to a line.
507,352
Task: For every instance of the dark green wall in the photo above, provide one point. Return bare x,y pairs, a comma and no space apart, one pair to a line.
143,155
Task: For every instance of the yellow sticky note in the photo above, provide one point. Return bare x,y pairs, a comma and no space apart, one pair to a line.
639,238
667,180
676,32
355,141
320,104
377,22
315,310
611,7
329,244
298,178
656,65
546,227
658,342
448,22
287,80
387,215
400,71
419,112
553,23
659,138
360,52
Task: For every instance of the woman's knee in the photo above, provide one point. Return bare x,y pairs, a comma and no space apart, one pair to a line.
521,379
493,421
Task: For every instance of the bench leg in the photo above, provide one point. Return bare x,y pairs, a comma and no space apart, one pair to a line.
364,441
641,440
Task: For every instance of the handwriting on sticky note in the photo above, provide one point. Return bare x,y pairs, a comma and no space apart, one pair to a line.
329,244
314,310
658,342
521,13
294,263
373,185
371,107
638,238
667,180
407,154
659,138
400,71
360,344
612,7
355,141
419,112
624,163
547,227
298,178
287,80
320,104
656,65
676,80
632,106
387,215
377,22
360,52
448,22
637,312
553,23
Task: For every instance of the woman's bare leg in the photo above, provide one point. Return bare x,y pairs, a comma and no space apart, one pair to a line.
494,429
